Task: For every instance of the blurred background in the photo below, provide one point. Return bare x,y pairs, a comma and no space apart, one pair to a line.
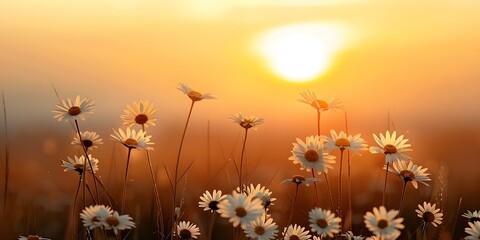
405,65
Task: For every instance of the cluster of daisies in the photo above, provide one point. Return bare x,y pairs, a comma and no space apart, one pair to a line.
247,207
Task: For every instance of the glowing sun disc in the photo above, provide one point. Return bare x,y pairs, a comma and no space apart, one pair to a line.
301,52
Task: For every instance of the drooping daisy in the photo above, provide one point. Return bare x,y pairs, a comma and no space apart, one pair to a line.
262,193
117,223
247,122
324,222
311,155
261,229
89,140
350,236
394,148
410,173
194,95
429,214
473,231
187,230
141,113
342,141
298,179
33,237
296,232
95,216
72,110
133,139
240,209
383,223
310,98
80,163
210,201
472,216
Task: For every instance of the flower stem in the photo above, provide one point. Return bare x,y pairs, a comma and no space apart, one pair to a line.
329,191
402,198
340,185
241,159
124,194
74,215
293,207
349,191
316,190
318,123
424,230
385,185
210,228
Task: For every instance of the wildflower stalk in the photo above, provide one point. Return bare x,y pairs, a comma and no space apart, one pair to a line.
293,206
340,183
385,185
7,169
124,193
74,215
402,198
329,191
424,229
349,191
210,228
316,190
241,159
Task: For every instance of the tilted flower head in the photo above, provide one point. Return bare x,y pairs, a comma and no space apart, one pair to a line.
262,229
262,193
311,155
117,223
473,231
394,148
310,98
72,110
247,122
194,95
342,141
472,216
324,222
410,173
33,237
350,236
296,232
187,230
89,140
80,163
240,209
141,113
132,139
383,223
298,179
95,216
210,201
429,214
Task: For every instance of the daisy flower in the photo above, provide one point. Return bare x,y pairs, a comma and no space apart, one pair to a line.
33,237
132,139
310,98
247,122
350,236
296,232
187,230
324,222
410,173
194,95
116,222
342,141
89,140
73,110
261,193
298,179
429,214
240,209
261,229
383,223
141,113
210,201
95,216
77,164
473,231
394,148
472,216
311,155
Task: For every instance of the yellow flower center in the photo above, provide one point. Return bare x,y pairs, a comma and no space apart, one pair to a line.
311,155
389,149
247,123
294,237
112,221
32,237
407,175
382,223
342,143
195,96
322,223
240,212
185,234
259,230
428,217
319,104
141,119
131,143
74,111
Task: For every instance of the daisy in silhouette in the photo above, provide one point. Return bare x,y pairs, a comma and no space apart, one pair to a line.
140,113
73,110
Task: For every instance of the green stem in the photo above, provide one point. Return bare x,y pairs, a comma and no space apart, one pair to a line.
124,194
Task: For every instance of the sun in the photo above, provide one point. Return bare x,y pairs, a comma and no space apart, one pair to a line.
301,52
